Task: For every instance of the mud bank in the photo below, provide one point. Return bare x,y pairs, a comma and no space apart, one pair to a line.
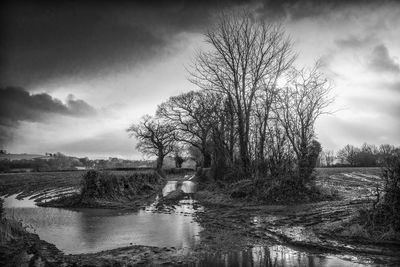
102,189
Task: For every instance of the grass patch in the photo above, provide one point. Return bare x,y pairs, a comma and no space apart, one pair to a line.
9,229
279,191
263,191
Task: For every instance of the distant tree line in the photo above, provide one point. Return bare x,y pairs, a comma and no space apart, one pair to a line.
58,162
254,113
367,155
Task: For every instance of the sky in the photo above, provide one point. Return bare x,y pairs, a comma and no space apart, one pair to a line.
74,75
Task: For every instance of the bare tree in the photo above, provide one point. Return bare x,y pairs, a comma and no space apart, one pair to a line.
385,152
329,157
279,153
190,113
245,52
155,136
348,154
301,102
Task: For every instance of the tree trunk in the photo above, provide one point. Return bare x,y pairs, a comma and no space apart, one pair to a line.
303,163
206,159
160,160
243,148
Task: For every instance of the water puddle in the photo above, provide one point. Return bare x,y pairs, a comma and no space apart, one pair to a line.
188,187
92,230
275,255
186,206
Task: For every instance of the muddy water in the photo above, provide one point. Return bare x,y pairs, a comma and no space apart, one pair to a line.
277,256
187,187
93,230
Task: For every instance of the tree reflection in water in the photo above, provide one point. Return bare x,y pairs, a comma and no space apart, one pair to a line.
275,255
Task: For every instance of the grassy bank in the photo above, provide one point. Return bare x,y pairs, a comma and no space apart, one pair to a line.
263,191
106,189
18,247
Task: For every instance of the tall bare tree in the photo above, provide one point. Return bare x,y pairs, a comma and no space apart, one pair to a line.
245,53
301,102
156,137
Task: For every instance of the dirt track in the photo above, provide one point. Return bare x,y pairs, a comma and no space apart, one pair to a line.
318,226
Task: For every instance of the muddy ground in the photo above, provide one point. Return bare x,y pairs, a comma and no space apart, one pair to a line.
327,226
42,185
231,225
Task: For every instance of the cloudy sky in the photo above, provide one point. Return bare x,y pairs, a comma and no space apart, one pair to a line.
74,75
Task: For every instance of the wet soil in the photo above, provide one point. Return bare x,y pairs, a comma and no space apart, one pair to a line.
45,184
230,225
321,226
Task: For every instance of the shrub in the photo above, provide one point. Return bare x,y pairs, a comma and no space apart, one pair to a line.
116,185
283,190
384,217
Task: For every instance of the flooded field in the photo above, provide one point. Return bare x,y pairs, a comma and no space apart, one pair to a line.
76,231
92,230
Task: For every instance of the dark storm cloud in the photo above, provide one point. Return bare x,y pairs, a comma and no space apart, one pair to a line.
381,61
48,40
79,107
16,105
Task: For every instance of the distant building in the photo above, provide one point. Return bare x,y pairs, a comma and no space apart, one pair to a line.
80,168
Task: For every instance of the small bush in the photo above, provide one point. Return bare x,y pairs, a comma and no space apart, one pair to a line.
284,190
383,219
116,185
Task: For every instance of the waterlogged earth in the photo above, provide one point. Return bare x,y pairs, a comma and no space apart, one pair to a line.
176,227
92,230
